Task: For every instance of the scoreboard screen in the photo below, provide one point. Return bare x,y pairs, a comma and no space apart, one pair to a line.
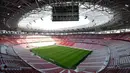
65,13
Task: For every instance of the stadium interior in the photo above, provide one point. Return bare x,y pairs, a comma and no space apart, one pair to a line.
64,36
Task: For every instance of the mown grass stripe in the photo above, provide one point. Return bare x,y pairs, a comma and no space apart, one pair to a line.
66,57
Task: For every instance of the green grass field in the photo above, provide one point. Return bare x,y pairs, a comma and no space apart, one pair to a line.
65,57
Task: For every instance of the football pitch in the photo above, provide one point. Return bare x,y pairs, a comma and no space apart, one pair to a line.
65,57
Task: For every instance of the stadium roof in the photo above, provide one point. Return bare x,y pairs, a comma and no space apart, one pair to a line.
12,10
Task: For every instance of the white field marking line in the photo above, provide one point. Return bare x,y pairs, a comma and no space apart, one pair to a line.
69,71
88,72
62,71
49,69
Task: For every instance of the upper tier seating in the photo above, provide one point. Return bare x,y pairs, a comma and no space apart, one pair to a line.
118,45
11,63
